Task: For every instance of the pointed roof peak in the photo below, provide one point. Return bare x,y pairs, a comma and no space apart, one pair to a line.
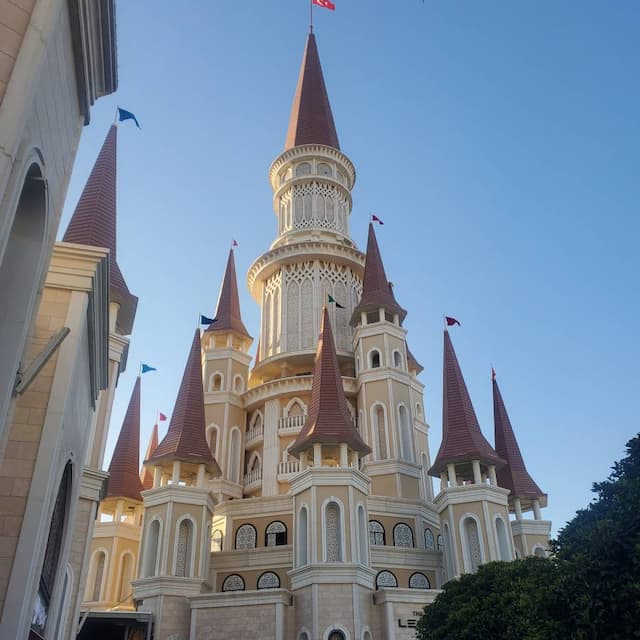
462,439
311,120
146,477
376,288
228,316
124,481
329,420
514,474
185,439
93,223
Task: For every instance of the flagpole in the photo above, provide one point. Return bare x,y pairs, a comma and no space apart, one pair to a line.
310,16
115,117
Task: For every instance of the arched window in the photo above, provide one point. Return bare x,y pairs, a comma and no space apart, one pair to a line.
333,532
269,580
406,437
376,533
374,359
20,266
98,575
302,536
126,574
234,582
429,542
380,432
151,549
61,618
419,581
246,537
539,552
402,535
275,535
233,472
296,409
184,549
386,579
363,546
336,634
52,552
212,438
217,540
473,551
238,384
503,545
215,382
439,543
303,169
397,359
303,635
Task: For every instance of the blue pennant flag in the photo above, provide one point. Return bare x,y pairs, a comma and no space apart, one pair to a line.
205,320
145,368
123,114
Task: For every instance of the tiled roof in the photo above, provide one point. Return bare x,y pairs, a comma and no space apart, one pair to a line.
185,439
228,317
412,363
124,480
514,474
94,223
462,440
329,420
146,477
311,120
376,289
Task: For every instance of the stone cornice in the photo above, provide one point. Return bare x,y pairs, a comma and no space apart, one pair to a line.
248,559
92,484
177,493
402,507
378,328
227,353
269,262
393,466
75,266
470,493
255,507
332,573
117,530
166,586
388,557
241,599
419,597
223,397
384,373
330,477
531,527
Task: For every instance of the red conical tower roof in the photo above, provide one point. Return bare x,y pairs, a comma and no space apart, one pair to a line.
124,481
94,223
376,290
185,439
228,316
462,440
329,420
146,477
311,120
514,474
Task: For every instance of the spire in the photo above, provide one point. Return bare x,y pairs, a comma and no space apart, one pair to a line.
329,420
228,316
311,120
146,477
185,440
376,289
462,440
125,481
94,223
514,474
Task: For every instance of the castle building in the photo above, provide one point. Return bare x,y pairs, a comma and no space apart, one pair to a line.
293,499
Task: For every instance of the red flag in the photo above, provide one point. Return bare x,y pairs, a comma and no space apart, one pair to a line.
162,417
451,321
374,218
325,4
234,243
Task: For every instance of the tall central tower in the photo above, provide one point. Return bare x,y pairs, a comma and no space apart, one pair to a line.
313,255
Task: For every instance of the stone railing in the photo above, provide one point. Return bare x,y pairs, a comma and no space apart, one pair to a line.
254,434
291,423
288,468
252,477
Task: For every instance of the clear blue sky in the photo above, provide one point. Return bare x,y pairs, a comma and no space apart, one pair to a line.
498,142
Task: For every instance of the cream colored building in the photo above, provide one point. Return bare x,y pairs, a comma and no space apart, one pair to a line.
292,499
57,315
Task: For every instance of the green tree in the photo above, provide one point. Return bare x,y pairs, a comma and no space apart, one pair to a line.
601,549
521,600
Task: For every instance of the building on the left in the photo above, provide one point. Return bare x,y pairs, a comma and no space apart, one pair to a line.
65,308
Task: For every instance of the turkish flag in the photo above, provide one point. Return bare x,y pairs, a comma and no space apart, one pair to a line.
325,4
162,416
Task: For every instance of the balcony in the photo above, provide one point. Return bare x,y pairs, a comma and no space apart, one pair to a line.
290,425
254,436
253,480
286,470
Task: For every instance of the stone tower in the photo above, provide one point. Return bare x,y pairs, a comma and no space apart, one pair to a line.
472,507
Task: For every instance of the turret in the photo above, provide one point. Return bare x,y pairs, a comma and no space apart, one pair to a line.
226,362
472,507
531,537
